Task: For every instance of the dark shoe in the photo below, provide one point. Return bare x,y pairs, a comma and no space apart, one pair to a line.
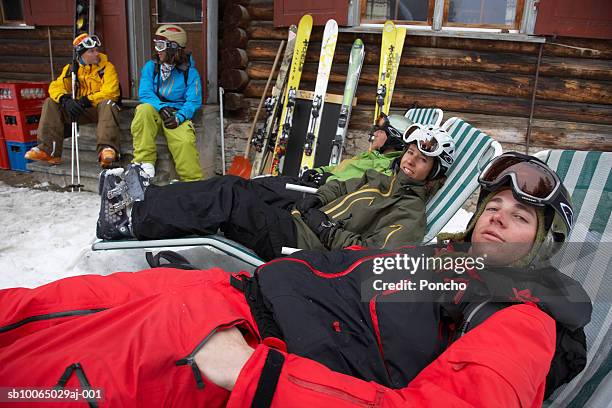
113,221
137,181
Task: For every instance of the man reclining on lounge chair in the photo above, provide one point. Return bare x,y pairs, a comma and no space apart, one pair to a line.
376,210
314,331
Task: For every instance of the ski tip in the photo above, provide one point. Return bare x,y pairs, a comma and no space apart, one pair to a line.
389,26
306,19
331,24
357,43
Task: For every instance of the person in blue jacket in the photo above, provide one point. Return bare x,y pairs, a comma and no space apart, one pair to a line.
170,92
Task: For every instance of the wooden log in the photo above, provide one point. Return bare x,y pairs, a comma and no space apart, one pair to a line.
33,47
38,65
234,79
576,68
261,10
453,101
58,33
578,48
422,78
234,58
574,90
236,16
23,76
235,37
234,101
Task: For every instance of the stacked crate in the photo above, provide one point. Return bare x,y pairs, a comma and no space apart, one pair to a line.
20,109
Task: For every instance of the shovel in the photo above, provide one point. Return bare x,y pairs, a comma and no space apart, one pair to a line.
241,166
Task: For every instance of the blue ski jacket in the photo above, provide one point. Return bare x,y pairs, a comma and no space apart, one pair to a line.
173,92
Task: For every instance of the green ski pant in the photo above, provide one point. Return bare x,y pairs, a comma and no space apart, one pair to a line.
181,142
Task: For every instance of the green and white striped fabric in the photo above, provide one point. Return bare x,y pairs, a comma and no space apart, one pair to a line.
588,177
425,116
474,149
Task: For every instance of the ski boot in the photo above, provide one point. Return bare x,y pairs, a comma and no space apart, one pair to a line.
113,221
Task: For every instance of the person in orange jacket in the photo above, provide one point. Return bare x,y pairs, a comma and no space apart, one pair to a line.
96,101
306,332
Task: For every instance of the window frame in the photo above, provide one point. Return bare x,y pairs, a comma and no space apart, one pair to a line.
430,14
156,14
437,19
12,23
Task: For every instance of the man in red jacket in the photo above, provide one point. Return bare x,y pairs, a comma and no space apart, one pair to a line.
299,335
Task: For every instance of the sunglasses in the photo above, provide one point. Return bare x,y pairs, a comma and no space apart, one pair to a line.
163,45
531,180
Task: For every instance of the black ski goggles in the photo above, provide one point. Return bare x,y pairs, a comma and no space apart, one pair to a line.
531,179
163,45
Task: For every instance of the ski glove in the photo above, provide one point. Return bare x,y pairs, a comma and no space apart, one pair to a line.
311,201
71,106
313,178
85,102
320,224
169,118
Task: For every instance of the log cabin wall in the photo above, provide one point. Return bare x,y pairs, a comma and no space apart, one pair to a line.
25,53
489,83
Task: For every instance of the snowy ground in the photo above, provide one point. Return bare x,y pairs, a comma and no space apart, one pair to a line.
47,235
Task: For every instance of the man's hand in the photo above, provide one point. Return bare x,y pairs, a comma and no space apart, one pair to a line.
379,139
71,106
85,102
311,201
223,356
313,178
169,118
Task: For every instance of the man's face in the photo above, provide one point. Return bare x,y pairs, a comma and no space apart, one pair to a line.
380,137
91,56
506,229
415,164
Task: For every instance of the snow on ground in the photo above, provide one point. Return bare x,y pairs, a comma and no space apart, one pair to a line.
47,235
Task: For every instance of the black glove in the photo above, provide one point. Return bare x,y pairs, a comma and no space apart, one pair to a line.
169,118
320,224
85,102
311,201
313,178
71,106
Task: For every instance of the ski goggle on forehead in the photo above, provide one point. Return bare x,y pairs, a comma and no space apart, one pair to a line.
163,45
426,142
91,41
531,180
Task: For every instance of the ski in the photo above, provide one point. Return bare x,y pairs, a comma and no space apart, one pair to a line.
261,139
350,87
400,36
328,47
387,50
293,82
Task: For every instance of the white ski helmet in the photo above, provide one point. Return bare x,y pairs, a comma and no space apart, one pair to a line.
434,142
173,33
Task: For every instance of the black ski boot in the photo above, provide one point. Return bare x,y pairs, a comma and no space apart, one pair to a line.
113,221
137,181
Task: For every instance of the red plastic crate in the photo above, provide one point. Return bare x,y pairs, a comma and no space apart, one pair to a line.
20,126
4,159
23,95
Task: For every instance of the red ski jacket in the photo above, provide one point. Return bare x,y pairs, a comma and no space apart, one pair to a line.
133,335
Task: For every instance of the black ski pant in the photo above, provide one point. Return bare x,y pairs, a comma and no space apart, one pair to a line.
238,207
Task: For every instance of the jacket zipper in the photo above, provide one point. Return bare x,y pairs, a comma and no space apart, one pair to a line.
190,359
49,316
334,392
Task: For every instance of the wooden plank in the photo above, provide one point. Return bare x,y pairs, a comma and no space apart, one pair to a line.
33,47
576,68
234,58
235,37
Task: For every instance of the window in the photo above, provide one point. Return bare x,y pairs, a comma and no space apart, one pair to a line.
179,11
501,14
414,11
11,12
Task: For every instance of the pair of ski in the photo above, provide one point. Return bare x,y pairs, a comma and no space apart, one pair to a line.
298,44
